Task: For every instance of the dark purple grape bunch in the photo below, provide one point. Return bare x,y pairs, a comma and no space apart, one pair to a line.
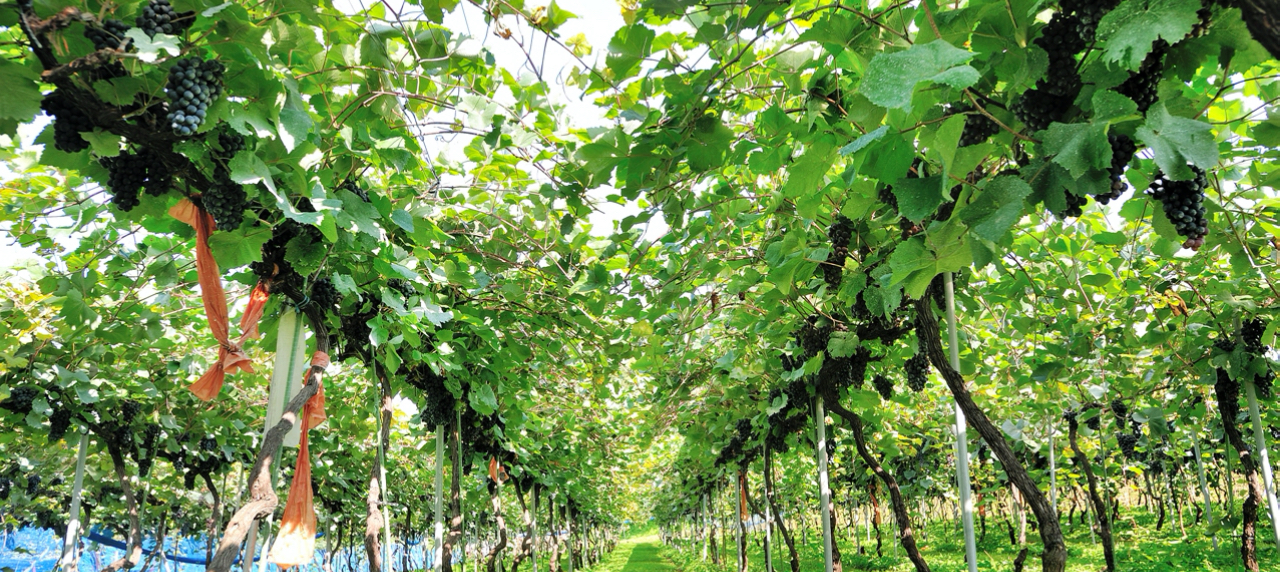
68,122
1128,443
355,189
1143,85
1075,205
884,386
1183,203
841,234
1122,151
193,85
109,35
917,370
977,127
159,17
1251,331
127,173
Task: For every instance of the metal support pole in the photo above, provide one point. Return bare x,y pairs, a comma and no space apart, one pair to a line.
824,487
1204,486
1260,443
533,531
68,559
962,445
439,495
703,525
569,529
291,342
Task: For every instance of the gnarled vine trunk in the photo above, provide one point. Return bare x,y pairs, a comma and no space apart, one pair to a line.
495,504
777,515
374,521
1054,558
455,501
1262,17
742,520
133,547
1099,507
525,548
1249,511
262,499
905,535
215,518
553,563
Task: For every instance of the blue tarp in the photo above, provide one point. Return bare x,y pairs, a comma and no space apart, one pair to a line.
37,550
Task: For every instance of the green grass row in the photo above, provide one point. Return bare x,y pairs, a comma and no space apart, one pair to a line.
1139,547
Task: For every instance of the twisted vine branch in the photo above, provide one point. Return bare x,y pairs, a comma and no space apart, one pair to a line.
262,498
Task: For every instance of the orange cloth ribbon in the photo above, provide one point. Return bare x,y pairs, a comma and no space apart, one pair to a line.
497,473
253,313
231,358
296,543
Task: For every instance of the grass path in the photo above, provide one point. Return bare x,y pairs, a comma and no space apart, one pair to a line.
636,555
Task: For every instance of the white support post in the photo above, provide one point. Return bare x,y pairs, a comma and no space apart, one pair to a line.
286,380
68,559
824,487
439,496
1204,485
702,525
569,530
533,530
962,445
1260,443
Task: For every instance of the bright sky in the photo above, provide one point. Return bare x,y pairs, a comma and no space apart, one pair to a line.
596,20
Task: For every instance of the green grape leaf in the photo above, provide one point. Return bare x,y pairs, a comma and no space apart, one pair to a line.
842,344
248,169
402,219
919,197
806,174
1079,147
1177,141
120,90
1268,132
483,399
995,208
917,260
861,142
22,96
294,123
710,143
1109,105
947,141
75,310
892,77
238,247
1128,32
628,47
104,144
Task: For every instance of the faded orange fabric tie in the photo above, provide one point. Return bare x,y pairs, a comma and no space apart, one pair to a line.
231,358
296,543
253,313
